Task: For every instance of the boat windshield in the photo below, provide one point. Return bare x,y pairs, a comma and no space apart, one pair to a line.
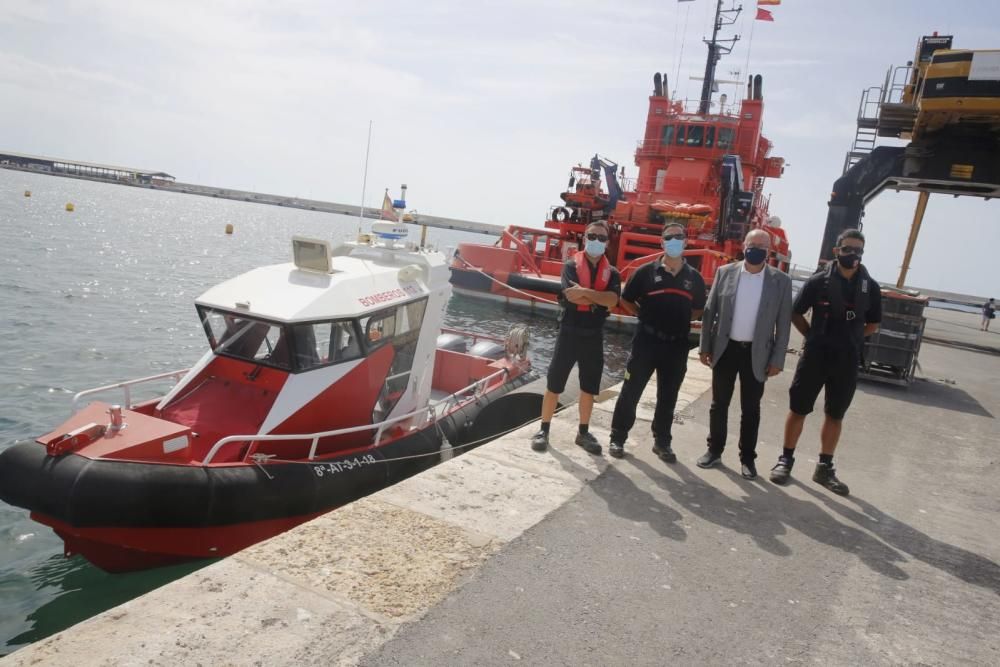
296,347
247,338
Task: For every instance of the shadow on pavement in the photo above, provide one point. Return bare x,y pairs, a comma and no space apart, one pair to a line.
960,563
766,511
929,393
628,501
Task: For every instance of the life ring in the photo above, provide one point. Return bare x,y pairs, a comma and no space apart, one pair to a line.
560,214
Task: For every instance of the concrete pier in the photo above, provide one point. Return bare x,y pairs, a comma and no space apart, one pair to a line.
507,556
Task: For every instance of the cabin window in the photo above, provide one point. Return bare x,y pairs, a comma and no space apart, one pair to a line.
667,137
247,338
399,327
709,136
695,135
726,135
321,344
680,135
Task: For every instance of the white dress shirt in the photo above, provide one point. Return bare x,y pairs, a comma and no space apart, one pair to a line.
748,292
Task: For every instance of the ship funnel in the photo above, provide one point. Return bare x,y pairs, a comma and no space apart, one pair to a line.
657,85
758,87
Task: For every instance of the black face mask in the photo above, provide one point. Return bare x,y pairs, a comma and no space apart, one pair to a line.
848,261
755,255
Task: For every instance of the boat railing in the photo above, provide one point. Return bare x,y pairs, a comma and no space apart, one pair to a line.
474,390
474,337
127,386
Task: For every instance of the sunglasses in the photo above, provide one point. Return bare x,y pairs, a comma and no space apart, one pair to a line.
597,237
674,237
851,250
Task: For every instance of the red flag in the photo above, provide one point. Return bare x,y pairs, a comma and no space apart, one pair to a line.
768,2
764,15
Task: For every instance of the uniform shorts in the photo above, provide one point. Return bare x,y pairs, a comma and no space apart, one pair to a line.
832,367
587,352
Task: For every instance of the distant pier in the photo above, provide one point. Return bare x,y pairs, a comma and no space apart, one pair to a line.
160,180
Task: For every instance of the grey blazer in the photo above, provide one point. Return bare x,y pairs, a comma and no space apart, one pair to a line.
774,317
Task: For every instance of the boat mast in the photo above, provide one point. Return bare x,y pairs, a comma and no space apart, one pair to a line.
716,49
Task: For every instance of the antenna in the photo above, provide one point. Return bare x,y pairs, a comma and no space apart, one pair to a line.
716,49
364,181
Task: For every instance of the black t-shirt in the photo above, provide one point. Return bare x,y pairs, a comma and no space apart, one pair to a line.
665,300
839,330
592,318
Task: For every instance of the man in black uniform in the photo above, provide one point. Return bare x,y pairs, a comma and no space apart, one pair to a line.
846,306
667,295
590,288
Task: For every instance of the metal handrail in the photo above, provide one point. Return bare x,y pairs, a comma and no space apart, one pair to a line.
315,437
127,386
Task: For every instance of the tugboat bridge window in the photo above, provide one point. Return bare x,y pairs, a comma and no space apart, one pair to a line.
667,137
709,136
680,135
695,135
726,135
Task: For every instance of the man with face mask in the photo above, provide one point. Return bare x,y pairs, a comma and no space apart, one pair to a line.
590,288
846,306
744,332
666,294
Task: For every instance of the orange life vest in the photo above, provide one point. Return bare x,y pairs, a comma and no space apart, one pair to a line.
587,279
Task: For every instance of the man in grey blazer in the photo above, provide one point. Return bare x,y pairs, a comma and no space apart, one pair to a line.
744,333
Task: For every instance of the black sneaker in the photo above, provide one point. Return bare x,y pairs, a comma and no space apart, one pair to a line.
748,470
588,442
540,441
664,451
709,459
617,450
825,475
782,471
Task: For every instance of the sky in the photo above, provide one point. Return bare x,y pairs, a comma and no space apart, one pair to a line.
479,107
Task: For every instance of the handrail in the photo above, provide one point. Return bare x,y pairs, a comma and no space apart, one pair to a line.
127,385
475,337
315,437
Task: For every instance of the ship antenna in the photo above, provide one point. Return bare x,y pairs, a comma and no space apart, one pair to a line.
716,49
364,181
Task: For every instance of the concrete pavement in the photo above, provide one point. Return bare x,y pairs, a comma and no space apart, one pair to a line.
657,564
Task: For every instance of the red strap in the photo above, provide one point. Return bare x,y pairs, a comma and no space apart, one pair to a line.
671,290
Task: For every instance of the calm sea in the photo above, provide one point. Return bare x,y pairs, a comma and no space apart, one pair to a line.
105,294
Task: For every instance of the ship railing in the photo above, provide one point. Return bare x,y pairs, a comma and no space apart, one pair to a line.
474,390
127,386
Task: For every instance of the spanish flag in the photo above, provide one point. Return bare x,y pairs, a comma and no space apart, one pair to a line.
388,212
768,2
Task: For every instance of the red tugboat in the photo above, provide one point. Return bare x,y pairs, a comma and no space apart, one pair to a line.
703,164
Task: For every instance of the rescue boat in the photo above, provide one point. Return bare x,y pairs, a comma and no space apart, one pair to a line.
702,163
325,379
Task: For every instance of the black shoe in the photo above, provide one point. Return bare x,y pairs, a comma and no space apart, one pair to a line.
540,441
782,471
664,451
748,470
709,460
617,450
825,475
588,442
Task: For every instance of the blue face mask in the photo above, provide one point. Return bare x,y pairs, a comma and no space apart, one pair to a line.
673,247
594,248
755,256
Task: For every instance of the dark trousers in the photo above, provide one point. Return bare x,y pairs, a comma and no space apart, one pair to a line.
735,361
669,360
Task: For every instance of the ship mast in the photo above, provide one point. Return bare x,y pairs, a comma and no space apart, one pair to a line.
716,49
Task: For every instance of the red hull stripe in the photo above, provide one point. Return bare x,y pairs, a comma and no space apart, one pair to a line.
671,290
